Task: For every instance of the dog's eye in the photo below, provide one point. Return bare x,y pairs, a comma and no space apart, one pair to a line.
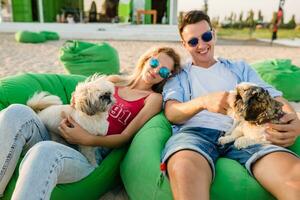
106,95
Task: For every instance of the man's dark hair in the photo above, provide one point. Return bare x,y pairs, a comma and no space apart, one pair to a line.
193,17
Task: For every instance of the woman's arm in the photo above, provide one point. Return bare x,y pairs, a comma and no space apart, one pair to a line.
77,135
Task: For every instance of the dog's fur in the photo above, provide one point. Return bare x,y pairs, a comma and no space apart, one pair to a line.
253,107
91,101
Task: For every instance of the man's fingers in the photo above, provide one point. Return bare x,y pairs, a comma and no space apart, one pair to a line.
285,142
280,138
280,127
275,134
288,117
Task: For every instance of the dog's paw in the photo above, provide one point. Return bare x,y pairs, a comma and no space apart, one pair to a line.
242,142
224,140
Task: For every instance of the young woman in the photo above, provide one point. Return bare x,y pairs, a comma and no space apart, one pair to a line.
48,163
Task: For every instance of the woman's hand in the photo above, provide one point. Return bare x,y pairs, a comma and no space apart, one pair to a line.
284,134
73,133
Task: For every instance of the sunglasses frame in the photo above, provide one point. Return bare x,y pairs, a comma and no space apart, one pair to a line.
163,72
196,39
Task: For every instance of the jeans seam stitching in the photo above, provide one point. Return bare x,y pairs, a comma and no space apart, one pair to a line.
12,150
53,167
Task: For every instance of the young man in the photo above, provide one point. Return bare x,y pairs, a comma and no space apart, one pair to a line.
196,101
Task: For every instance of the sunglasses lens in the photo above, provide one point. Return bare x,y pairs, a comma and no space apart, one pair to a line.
193,42
154,63
164,72
207,36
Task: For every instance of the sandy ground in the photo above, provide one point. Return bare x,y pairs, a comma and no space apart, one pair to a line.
17,58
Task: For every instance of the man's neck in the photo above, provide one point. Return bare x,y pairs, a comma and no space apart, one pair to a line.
204,64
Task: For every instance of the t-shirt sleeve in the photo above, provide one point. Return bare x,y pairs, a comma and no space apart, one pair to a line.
173,90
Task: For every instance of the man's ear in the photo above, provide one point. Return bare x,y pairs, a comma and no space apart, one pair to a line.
183,43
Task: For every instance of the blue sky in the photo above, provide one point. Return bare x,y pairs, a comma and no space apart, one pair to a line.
223,8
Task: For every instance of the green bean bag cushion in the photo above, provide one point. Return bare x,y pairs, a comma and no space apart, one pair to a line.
49,35
29,37
17,89
281,74
85,58
140,169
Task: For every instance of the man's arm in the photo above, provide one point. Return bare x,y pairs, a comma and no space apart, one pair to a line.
287,108
178,113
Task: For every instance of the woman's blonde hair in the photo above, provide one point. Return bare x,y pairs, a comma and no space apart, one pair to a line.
131,80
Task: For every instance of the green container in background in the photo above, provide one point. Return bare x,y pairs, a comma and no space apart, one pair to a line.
148,6
22,10
86,58
124,11
28,10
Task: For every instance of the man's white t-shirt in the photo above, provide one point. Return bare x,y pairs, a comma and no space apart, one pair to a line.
216,78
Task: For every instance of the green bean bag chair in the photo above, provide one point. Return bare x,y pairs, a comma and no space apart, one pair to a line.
281,74
85,58
49,35
17,89
29,37
140,169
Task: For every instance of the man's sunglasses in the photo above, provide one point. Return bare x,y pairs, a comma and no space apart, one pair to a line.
164,72
206,37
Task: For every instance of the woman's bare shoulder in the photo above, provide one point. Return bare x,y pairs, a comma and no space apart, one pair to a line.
154,97
113,78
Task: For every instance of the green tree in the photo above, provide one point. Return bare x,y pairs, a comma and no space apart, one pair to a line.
205,6
241,21
251,22
215,22
260,18
241,16
292,23
230,18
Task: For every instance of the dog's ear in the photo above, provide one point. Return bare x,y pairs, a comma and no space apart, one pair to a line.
88,107
254,105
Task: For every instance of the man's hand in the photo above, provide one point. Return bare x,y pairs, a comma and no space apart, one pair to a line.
217,102
284,134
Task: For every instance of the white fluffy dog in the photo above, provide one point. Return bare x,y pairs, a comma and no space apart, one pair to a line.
91,101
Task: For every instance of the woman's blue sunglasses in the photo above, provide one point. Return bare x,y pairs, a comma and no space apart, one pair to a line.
206,37
164,72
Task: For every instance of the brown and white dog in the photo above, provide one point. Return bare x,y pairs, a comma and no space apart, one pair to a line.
251,109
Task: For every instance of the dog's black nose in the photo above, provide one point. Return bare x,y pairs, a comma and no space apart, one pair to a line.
106,97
